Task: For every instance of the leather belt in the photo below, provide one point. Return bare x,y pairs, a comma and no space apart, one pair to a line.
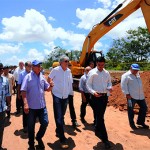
103,94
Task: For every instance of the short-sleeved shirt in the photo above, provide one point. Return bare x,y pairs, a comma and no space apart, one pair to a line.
35,86
82,84
4,92
132,85
21,76
62,82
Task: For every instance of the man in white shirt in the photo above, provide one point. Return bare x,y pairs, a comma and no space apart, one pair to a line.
99,85
131,85
17,71
62,78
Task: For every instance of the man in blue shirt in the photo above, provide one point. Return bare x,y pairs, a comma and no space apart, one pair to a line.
4,96
20,80
33,87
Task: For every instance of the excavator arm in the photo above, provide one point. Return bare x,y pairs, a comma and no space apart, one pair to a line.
110,22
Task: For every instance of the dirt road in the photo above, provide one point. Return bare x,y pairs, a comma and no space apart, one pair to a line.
122,137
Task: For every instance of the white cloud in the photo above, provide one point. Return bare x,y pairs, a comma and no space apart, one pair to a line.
35,54
9,48
90,17
106,3
51,18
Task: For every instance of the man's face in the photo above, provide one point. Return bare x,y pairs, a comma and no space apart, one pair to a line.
134,71
28,67
1,71
6,71
21,65
100,65
64,64
36,69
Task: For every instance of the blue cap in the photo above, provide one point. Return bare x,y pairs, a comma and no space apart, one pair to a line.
36,62
135,67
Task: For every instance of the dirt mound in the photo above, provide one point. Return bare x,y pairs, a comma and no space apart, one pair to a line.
117,99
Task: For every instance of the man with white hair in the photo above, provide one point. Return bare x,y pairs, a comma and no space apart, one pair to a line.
62,78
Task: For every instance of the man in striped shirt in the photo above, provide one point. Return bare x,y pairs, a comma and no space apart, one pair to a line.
4,96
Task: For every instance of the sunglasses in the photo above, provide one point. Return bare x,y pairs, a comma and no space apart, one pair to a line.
66,61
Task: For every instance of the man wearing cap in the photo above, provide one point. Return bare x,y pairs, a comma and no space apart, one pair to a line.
131,85
4,97
11,81
33,87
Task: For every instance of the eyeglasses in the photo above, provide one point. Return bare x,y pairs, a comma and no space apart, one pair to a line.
66,61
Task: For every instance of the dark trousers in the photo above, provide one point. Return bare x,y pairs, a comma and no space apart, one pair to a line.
8,110
18,101
59,106
84,104
71,109
2,124
142,111
24,115
43,119
100,104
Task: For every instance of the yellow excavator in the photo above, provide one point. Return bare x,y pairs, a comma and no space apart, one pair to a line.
100,29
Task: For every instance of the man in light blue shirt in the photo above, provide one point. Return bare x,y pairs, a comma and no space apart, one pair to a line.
20,81
4,96
131,85
33,87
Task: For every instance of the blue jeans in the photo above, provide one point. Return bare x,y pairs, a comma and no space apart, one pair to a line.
2,124
59,106
142,111
43,119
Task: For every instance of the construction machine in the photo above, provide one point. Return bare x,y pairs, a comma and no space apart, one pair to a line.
100,29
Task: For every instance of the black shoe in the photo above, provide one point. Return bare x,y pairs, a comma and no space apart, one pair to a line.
40,144
25,130
83,120
64,144
107,145
133,127
75,124
3,148
143,125
17,112
31,147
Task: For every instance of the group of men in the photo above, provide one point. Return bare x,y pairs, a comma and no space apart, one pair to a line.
95,87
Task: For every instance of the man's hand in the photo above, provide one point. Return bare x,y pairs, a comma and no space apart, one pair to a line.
96,94
128,96
26,108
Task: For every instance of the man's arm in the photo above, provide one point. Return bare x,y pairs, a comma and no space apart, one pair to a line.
26,106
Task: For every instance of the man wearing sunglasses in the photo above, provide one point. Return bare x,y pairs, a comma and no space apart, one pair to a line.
62,78
4,97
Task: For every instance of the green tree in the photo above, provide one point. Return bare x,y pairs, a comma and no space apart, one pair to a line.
133,48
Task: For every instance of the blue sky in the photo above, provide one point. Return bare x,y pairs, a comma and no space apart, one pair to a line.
30,29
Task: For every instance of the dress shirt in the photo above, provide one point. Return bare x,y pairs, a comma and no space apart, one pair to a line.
99,81
132,85
82,84
35,86
62,82
17,72
4,92
22,76
11,81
